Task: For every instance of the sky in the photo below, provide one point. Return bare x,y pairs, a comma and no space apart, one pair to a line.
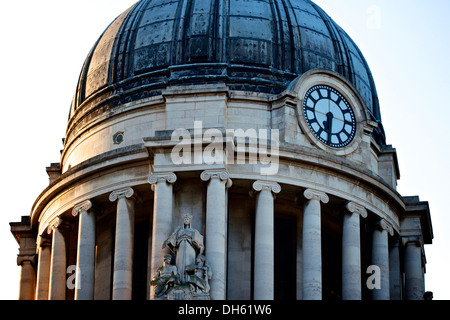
44,45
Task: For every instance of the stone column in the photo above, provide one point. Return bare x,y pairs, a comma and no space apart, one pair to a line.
84,285
43,271
380,258
351,252
395,278
162,185
312,245
124,244
58,264
264,240
216,230
414,280
27,277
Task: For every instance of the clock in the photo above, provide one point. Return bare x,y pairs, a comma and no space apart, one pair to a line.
329,116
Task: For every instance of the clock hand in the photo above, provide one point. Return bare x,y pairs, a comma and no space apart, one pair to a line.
329,125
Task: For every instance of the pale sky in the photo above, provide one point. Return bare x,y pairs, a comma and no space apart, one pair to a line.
44,44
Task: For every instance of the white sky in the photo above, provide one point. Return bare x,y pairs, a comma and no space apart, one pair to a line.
44,44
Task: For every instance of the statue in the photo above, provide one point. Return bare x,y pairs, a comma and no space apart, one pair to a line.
189,277
186,243
166,277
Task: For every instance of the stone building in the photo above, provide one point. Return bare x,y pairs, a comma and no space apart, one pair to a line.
224,150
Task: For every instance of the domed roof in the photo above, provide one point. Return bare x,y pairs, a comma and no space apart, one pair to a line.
251,45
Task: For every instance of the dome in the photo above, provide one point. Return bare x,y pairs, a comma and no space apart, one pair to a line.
250,45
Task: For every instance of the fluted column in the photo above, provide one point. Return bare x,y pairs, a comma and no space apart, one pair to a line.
43,271
162,185
380,258
264,240
124,244
312,244
216,229
58,265
351,252
414,280
84,285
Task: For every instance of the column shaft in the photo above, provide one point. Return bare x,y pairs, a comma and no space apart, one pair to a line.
57,290
351,258
84,285
124,247
380,258
43,272
414,281
27,280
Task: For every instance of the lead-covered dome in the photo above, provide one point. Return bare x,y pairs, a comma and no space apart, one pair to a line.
250,45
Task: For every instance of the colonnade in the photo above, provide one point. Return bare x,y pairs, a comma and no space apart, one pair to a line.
51,273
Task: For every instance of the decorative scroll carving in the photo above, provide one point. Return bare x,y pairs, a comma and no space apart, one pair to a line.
266,185
356,208
217,174
312,194
83,206
384,225
188,278
168,177
58,223
121,193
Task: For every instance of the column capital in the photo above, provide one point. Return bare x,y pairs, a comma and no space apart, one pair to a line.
413,240
353,207
168,177
382,224
222,175
26,258
42,242
122,193
312,194
260,185
59,224
82,206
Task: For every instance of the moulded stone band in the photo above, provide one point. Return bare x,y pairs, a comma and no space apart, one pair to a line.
267,185
311,194
356,208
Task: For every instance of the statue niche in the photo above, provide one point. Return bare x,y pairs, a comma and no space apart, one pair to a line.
189,278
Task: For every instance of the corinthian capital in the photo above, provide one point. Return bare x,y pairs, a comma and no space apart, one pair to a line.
312,194
84,206
121,193
356,208
168,177
266,185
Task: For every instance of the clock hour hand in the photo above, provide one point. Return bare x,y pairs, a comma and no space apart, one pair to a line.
328,125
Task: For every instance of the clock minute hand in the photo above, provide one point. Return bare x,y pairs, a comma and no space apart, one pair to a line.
329,125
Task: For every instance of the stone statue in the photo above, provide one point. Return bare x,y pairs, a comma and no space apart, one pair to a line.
199,275
189,278
186,243
166,277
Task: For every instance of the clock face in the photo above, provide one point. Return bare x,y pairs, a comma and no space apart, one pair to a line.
329,116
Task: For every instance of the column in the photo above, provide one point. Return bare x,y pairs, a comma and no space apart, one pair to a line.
414,280
312,245
43,271
395,279
380,258
57,287
124,244
27,277
264,240
216,229
84,285
351,252
162,185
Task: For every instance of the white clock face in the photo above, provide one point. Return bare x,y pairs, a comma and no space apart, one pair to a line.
329,116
